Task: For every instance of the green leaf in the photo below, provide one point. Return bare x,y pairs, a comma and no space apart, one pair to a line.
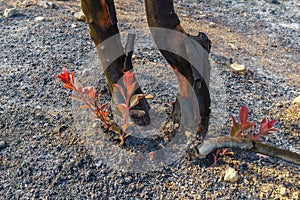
134,100
115,129
124,127
235,128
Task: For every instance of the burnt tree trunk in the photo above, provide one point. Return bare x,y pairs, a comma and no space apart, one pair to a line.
188,56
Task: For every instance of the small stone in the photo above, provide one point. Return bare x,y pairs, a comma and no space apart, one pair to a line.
297,99
201,16
275,2
79,16
27,3
3,144
46,4
295,195
52,113
237,67
10,12
231,175
233,46
39,19
282,191
60,129
149,96
212,24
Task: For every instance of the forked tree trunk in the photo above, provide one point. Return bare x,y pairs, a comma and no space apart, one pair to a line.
190,64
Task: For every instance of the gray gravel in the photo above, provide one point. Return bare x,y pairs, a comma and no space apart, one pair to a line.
41,156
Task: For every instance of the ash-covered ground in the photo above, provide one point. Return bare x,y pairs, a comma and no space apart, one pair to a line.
41,153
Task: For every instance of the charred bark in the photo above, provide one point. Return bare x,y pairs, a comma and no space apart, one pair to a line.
161,15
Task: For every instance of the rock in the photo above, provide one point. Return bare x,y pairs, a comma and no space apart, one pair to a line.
27,3
212,24
237,67
233,46
79,16
201,16
60,129
282,191
275,2
39,19
149,96
46,4
231,175
2,144
297,99
295,195
52,113
10,12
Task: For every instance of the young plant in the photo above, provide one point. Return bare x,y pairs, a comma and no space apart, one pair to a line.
129,101
87,96
247,130
243,129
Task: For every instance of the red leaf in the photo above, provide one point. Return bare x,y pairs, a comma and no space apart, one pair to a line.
129,82
121,108
243,114
151,155
91,92
271,123
103,106
263,125
130,89
119,87
76,84
69,86
64,75
128,78
247,125
73,75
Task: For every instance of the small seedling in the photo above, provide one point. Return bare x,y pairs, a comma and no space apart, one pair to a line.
87,96
247,130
